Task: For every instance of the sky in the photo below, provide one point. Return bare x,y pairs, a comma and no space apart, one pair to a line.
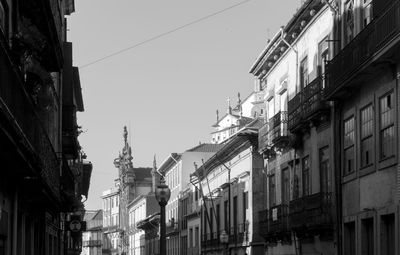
167,90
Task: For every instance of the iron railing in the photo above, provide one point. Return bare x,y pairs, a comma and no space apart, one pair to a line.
278,125
357,53
312,210
313,100
17,106
295,111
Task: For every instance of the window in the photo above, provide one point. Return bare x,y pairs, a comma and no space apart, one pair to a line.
271,186
235,214
226,216
367,236
296,181
196,237
211,220
196,195
191,237
306,176
324,168
323,49
218,218
245,205
367,12
304,73
367,131
285,186
350,238
349,146
386,126
387,235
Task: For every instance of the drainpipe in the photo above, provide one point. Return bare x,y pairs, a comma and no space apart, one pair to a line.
297,56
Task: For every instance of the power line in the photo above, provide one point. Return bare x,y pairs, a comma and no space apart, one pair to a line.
164,34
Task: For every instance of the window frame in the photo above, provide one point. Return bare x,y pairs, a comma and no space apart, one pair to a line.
351,174
392,160
303,169
368,168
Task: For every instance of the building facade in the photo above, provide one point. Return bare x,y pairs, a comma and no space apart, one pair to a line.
111,240
139,209
299,215
44,177
193,220
92,237
363,83
176,169
229,184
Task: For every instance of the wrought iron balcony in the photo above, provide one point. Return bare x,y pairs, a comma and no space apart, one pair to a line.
295,112
314,105
311,213
24,124
91,243
274,223
372,45
263,142
278,129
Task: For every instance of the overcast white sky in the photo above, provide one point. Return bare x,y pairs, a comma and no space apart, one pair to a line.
166,90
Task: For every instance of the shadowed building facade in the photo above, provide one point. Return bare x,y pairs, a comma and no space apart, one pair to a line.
44,176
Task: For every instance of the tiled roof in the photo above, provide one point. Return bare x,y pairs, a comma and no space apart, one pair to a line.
205,147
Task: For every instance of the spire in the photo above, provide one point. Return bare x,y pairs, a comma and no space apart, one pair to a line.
125,135
154,174
154,163
229,110
217,116
239,106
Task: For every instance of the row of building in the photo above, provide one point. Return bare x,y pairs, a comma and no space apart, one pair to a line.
44,175
307,164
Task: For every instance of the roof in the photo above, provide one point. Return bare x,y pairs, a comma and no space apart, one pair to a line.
169,162
205,147
247,136
91,214
274,46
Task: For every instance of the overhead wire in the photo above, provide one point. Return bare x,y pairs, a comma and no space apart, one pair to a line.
164,34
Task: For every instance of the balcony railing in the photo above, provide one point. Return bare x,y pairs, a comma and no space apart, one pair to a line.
295,111
311,212
274,222
263,137
91,243
17,106
356,55
313,101
278,128
307,105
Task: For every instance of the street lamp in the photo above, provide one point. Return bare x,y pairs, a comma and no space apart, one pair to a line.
162,195
224,239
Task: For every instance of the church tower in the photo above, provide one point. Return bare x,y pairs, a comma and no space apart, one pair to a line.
126,177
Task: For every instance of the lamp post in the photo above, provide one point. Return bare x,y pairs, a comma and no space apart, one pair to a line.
162,195
224,239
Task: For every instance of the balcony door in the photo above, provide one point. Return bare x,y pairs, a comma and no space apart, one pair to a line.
285,186
324,168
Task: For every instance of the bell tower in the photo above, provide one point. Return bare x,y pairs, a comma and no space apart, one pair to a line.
126,177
